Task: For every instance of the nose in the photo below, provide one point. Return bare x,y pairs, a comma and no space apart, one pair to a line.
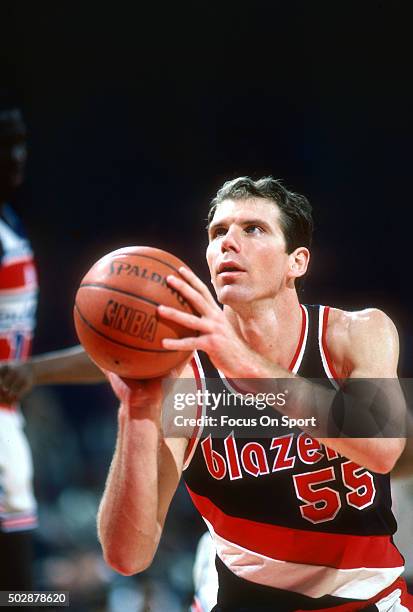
230,242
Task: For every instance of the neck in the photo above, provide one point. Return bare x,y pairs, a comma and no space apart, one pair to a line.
271,327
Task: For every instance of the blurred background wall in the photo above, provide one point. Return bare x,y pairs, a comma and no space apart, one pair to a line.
137,113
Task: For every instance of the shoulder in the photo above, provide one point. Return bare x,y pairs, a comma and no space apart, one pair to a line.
344,323
361,335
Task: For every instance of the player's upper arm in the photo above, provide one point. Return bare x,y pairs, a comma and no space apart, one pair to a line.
368,348
372,349
363,344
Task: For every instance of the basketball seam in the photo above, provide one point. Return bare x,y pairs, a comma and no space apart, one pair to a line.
99,333
129,293
153,258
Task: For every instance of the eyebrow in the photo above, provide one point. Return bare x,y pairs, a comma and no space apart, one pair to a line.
222,223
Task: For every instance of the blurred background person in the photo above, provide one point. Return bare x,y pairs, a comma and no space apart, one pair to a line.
18,302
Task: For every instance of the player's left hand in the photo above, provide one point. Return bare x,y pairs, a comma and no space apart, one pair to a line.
215,335
16,380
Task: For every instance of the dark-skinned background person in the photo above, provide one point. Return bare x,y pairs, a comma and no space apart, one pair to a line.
18,372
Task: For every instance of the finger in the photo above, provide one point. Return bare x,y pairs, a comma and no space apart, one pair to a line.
19,387
8,378
105,372
196,283
5,392
114,379
181,344
195,298
15,391
183,318
15,380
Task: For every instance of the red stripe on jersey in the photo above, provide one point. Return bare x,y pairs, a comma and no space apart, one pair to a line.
10,523
19,522
339,551
405,599
198,412
196,605
21,274
324,344
300,341
10,349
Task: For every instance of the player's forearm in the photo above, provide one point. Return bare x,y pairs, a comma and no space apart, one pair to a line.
359,421
127,521
66,366
367,416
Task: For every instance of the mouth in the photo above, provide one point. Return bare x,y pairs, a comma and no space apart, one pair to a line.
229,267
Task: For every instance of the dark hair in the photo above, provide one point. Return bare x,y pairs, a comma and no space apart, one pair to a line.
296,220
9,108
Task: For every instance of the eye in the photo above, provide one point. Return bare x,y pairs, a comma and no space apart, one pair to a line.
218,231
253,229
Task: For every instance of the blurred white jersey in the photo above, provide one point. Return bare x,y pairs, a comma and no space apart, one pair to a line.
205,575
18,302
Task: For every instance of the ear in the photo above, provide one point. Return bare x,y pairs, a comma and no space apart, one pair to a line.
299,260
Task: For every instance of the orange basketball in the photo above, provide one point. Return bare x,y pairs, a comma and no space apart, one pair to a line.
115,312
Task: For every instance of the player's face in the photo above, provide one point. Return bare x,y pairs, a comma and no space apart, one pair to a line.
13,152
247,255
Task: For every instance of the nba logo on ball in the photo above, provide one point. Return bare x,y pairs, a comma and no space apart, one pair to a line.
115,312
130,320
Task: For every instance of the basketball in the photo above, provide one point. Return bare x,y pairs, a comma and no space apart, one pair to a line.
115,312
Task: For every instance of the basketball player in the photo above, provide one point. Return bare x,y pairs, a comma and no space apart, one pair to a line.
299,522
18,300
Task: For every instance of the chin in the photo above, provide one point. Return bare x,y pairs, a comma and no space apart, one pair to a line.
231,295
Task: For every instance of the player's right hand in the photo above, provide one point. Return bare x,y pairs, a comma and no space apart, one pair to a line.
136,393
16,380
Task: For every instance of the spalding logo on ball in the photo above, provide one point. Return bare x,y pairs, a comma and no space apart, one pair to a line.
115,312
